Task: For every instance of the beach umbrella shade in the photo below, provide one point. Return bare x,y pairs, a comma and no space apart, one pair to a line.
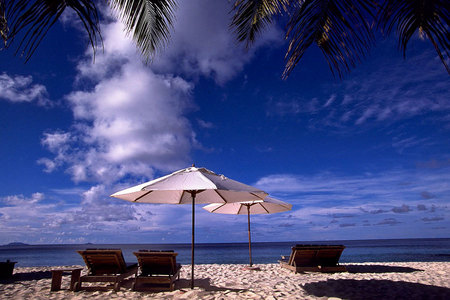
267,206
191,186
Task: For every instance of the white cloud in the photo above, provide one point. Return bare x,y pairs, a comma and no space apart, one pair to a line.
18,89
283,108
205,124
130,122
68,191
59,144
324,206
18,200
330,100
328,205
99,218
395,91
399,90
56,140
129,118
22,216
203,44
42,218
136,116
387,191
401,144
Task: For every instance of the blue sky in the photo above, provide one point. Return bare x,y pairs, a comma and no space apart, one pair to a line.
360,158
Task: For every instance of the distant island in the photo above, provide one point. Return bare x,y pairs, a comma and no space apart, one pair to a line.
17,244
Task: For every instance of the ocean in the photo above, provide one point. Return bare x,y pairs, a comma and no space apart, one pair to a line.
398,250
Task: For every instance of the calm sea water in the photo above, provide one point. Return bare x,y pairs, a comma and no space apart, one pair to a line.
237,253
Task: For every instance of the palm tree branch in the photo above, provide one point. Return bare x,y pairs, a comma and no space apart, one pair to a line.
35,18
149,22
428,17
252,16
339,28
37,30
4,30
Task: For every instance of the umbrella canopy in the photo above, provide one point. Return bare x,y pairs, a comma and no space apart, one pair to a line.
191,186
178,187
267,206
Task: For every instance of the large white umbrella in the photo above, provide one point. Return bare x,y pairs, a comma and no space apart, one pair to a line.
267,206
191,186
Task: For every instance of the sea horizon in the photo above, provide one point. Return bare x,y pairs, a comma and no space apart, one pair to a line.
253,242
356,251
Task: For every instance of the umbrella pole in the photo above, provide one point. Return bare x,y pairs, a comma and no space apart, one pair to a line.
193,240
249,236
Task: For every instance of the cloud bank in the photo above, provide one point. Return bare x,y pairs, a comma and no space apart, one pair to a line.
18,89
131,119
396,91
327,202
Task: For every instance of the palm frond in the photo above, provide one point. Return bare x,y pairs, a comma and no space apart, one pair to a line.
429,18
149,21
252,16
341,29
3,23
36,17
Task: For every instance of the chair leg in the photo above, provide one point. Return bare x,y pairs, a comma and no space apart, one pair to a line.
77,286
117,286
56,280
74,278
134,285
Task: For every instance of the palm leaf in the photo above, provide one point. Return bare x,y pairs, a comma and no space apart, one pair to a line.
252,16
429,18
149,21
341,29
3,23
36,17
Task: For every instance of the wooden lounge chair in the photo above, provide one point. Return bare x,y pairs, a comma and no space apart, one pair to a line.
105,265
314,258
159,268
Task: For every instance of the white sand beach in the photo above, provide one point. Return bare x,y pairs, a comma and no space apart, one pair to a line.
409,280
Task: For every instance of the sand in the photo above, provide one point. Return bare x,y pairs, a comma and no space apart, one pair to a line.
409,280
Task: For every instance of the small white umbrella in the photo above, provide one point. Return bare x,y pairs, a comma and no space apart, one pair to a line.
191,186
267,206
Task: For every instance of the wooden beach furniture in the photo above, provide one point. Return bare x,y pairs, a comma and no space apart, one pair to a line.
106,266
57,274
314,258
159,268
7,269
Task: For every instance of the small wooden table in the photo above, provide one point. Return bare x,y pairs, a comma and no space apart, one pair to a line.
57,277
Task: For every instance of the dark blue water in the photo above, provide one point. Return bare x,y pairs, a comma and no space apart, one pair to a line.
237,253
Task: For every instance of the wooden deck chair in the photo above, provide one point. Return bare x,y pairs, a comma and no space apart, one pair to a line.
159,268
314,258
107,266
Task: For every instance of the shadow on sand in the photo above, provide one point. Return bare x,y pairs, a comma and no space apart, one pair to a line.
379,269
184,284
28,276
204,284
375,289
